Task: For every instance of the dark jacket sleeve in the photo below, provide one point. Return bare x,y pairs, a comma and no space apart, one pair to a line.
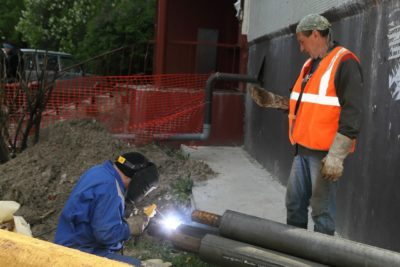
107,221
349,87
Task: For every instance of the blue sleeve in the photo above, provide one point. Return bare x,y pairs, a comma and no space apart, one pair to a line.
107,222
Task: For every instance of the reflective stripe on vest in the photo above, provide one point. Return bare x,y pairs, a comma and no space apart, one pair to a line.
321,97
317,119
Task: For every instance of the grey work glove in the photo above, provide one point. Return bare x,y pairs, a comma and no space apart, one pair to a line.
332,164
266,99
137,224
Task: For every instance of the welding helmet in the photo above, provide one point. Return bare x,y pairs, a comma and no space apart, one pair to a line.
143,173
143,182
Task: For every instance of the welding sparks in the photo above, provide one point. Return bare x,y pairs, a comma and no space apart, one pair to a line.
171,222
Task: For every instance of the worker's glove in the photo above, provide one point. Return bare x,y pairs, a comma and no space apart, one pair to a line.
155,263
332,164
137,224
266,99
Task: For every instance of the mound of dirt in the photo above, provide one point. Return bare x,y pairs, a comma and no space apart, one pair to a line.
42,177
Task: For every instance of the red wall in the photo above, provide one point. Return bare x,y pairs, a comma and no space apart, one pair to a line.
178,22
177,26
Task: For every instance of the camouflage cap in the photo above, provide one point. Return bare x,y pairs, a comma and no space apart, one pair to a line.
313,22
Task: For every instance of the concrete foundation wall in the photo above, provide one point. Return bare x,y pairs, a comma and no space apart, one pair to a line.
368,198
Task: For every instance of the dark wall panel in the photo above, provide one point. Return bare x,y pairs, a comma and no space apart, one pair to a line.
276,62
368,198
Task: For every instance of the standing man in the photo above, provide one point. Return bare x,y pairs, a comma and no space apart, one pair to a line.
324,121
93,218
13,62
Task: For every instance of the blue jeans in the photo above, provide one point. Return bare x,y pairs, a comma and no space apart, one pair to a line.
306,187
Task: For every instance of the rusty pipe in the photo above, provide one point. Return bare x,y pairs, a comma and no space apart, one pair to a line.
207,218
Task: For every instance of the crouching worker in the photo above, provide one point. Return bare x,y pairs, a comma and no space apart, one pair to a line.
93,219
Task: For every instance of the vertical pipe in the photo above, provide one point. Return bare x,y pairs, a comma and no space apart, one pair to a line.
211,81
210,87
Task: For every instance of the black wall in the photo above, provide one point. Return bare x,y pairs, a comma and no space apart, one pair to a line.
369,191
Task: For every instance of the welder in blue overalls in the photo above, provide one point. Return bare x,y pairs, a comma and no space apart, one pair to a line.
93,219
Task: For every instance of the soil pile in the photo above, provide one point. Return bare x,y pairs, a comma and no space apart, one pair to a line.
42,177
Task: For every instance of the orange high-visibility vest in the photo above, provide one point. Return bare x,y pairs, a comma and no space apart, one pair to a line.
317,120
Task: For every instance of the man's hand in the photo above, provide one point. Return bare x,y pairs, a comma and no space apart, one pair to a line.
137,224
266,99
332,164
332,168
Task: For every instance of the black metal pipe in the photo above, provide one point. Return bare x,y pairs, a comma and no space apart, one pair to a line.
185,237
210,84
333,251
227,252
223,251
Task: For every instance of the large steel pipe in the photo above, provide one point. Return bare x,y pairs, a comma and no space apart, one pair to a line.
227,252
333,251
185,237
223,251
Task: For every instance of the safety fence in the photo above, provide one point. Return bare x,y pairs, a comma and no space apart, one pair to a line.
138,106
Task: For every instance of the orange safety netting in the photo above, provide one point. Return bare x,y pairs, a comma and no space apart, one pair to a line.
140,107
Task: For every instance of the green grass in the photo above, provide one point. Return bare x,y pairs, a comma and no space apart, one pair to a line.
181,189
148,249
175,153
